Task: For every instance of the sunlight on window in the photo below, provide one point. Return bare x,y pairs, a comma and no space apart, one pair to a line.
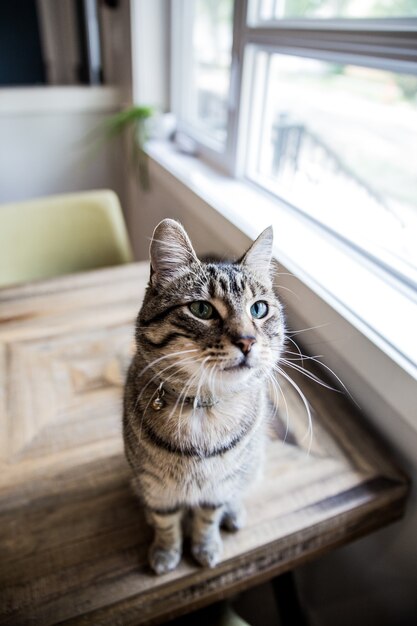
340,143
212,45
277,9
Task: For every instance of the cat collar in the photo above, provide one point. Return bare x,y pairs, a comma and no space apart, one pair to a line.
159,401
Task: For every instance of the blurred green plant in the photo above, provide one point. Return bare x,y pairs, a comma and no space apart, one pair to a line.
131,123
408,85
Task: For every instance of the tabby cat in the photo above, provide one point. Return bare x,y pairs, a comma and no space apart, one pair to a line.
196,405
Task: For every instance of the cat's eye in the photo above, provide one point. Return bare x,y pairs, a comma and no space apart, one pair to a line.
259,309
201,309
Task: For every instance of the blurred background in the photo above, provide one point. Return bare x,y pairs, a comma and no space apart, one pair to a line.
58,82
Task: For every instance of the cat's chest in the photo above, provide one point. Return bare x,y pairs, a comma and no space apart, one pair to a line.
198,421
212,478
190,476
214,426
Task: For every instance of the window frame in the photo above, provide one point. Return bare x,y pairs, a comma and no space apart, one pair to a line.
381,43
181,23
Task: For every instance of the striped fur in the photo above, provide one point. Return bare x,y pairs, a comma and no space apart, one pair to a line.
186,458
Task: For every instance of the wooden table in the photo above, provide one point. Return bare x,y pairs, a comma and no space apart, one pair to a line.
73,539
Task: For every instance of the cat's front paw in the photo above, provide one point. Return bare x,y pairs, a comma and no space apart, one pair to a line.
208,553
234,518
163,560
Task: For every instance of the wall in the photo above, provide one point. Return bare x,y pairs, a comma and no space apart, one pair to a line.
47,144
148,208
44,142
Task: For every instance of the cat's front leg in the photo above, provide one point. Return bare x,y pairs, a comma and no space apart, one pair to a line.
165,551
234,516
205,534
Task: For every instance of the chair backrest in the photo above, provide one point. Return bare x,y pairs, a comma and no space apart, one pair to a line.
60,235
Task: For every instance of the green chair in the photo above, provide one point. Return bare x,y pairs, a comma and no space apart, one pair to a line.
60,235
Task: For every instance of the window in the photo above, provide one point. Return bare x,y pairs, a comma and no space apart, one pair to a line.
340,142
204,36
206,102
315,101
278,9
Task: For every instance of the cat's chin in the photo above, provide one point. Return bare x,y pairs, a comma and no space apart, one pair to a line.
240,367
237,375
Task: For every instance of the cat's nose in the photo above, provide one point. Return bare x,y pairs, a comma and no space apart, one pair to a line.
245,343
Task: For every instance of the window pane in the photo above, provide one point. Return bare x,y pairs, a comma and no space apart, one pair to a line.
206,106
276,9
340,143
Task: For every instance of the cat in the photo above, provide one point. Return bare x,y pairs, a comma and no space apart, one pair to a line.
196,401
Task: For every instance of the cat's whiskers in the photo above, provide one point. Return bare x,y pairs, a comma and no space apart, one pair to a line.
272,386
183,394
302,357
161,358
155,393
296,346
276,385
157,375
307,374
290,290
212,380
304,330
166,379
320,363
186,386
309,432
219,371
202,379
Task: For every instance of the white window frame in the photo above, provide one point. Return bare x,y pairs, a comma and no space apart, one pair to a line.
383,43
181,24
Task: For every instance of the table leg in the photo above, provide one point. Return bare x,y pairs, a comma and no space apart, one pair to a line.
288,603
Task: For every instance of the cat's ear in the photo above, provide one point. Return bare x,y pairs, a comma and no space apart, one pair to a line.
258,257
170,251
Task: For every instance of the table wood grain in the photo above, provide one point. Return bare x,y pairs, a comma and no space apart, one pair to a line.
73,538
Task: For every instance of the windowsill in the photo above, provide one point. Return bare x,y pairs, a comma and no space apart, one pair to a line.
359,292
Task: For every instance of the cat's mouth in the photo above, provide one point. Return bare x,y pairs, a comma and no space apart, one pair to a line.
242,365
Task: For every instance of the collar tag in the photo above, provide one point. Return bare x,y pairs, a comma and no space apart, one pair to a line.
158,403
